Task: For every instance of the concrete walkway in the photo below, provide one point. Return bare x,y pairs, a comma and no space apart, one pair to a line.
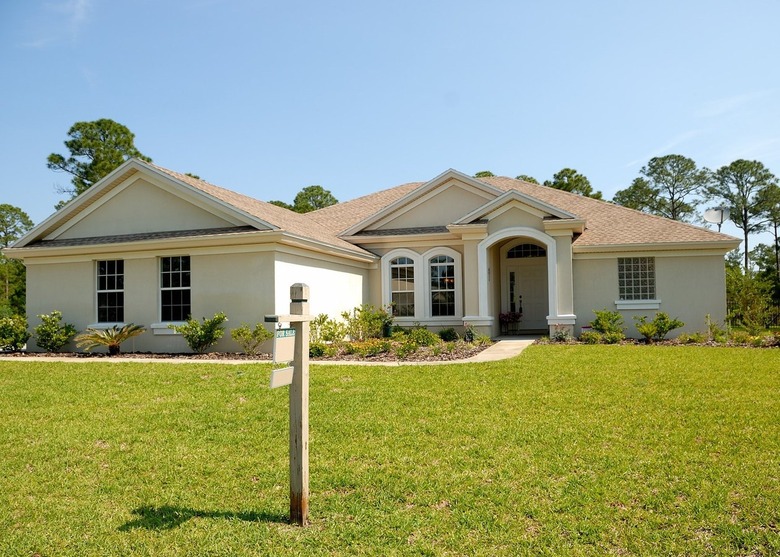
504,348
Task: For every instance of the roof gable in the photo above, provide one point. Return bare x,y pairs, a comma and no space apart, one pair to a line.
406,211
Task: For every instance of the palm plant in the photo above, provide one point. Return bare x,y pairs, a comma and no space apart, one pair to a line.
112,337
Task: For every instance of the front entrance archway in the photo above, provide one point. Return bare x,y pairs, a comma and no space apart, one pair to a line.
524,296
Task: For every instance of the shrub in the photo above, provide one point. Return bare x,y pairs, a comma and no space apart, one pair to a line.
13,332
366,322
200,336
607,322
112,338
405,349
560,334
658,328
591,337
613,337
482,340
316,349
51,334
250,339
449,335
740,337
423,337
692,338
324,329
715,333
370,347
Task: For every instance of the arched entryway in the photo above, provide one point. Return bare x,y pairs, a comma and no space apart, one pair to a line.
524,300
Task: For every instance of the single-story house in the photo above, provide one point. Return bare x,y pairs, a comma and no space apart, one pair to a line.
151,246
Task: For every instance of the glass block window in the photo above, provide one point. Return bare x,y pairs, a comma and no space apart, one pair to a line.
442,286
111,291
526,250
402,286
175,294
636,278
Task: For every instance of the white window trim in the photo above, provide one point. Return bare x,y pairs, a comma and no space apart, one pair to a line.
422,289
161,327
637,304
387,294
427,256
98,324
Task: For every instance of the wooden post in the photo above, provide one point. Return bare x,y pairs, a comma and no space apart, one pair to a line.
299,409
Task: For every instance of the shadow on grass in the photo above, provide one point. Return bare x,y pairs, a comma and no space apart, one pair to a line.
167,517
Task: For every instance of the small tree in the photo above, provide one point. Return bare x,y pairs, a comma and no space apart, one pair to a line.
250,339
658,328
111,338
52,334
201,336
610,325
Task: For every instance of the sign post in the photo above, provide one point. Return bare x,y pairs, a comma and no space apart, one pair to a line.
299,398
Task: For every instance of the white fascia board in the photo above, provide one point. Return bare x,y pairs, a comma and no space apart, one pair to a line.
717,247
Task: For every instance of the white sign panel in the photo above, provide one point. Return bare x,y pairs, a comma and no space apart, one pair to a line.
281,377
284,345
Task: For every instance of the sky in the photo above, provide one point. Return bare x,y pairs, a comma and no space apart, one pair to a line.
266,98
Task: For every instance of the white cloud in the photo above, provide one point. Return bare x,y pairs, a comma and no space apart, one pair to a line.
665,148
726,105
60,21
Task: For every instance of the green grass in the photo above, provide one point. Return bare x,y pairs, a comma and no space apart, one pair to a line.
566,450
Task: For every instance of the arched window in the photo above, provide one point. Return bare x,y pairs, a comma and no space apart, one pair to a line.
402,286
442,286
526,250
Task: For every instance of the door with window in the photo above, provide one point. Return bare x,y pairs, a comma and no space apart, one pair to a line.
524,302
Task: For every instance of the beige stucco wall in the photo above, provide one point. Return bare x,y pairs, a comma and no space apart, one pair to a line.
513,218
688,286
142,208
239,284
449,204
334,287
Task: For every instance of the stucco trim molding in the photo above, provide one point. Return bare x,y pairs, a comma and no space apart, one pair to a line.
638,304
515,232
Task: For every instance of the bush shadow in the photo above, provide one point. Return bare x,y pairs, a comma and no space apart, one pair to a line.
167,517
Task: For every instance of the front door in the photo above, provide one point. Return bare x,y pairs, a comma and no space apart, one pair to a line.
525,292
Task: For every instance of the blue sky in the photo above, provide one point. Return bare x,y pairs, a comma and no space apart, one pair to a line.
266,98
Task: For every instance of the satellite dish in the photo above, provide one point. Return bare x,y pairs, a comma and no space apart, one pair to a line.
717,215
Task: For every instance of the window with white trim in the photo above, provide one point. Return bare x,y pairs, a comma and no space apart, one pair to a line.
111,291
636,278
442,286
402,286
175,292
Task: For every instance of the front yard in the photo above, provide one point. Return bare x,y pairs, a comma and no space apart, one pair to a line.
566,450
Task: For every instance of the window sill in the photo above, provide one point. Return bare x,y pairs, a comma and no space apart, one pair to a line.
638,304
164,329
103,326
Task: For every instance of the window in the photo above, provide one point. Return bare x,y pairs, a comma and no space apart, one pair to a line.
442,286
402,286
636,278
526,250
175,299
111,291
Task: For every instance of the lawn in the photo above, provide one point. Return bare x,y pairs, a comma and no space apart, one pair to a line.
565,450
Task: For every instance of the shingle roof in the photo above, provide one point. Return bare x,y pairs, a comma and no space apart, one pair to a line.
607,224
610,224
301,225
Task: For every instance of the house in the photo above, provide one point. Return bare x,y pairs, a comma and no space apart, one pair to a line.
151,246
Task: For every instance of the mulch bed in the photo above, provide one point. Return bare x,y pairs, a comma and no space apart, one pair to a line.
461,351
